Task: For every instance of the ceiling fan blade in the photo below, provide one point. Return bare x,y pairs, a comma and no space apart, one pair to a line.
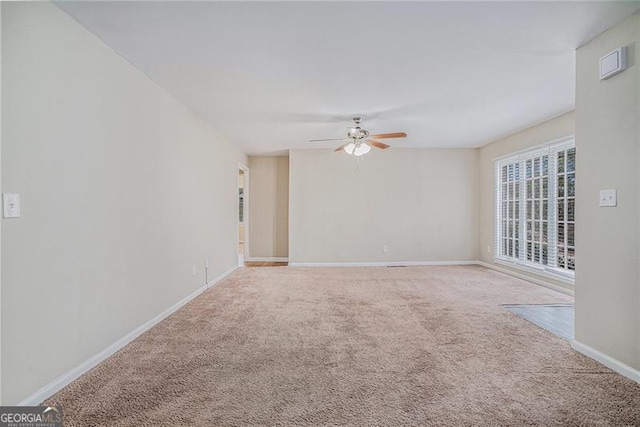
377,144
390,135
327,140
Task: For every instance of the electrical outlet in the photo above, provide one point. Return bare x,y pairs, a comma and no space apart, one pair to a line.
385,248
194,271
488,249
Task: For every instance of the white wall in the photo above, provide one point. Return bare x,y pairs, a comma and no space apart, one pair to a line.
122,190
268,207
608,239
423,203
547,131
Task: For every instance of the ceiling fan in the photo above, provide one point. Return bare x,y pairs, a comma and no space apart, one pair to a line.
359,141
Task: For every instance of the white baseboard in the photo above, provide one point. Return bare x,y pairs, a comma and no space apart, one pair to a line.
378,264
267,259
65,379
526,277
608,361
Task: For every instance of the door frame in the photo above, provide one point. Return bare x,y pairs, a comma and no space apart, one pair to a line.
245,214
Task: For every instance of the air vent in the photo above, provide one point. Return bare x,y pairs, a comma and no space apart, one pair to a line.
613,63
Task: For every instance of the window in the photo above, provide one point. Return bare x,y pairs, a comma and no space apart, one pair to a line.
535,211
566,205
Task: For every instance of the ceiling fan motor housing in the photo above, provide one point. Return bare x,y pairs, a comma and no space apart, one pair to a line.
357,133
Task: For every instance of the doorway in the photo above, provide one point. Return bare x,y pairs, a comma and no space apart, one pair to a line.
243,213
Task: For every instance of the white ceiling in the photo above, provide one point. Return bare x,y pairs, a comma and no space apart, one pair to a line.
272,75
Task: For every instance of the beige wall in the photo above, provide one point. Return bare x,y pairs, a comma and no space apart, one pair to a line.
608,149
423,203
268,207
122,191
548,131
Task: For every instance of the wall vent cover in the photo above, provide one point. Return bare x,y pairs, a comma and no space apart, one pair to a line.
613,63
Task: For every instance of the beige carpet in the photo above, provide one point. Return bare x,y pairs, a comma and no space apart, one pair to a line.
353,346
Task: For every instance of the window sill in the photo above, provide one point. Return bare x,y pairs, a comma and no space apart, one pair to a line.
546,272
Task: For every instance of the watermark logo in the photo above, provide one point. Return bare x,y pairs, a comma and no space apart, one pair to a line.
30,416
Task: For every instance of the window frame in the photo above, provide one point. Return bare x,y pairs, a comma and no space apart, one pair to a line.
550,149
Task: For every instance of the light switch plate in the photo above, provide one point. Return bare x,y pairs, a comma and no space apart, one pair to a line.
10,205
608,198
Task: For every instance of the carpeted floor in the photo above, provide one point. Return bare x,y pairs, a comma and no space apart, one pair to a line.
353,346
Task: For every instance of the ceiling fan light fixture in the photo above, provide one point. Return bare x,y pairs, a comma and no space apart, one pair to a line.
361,149
350,148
